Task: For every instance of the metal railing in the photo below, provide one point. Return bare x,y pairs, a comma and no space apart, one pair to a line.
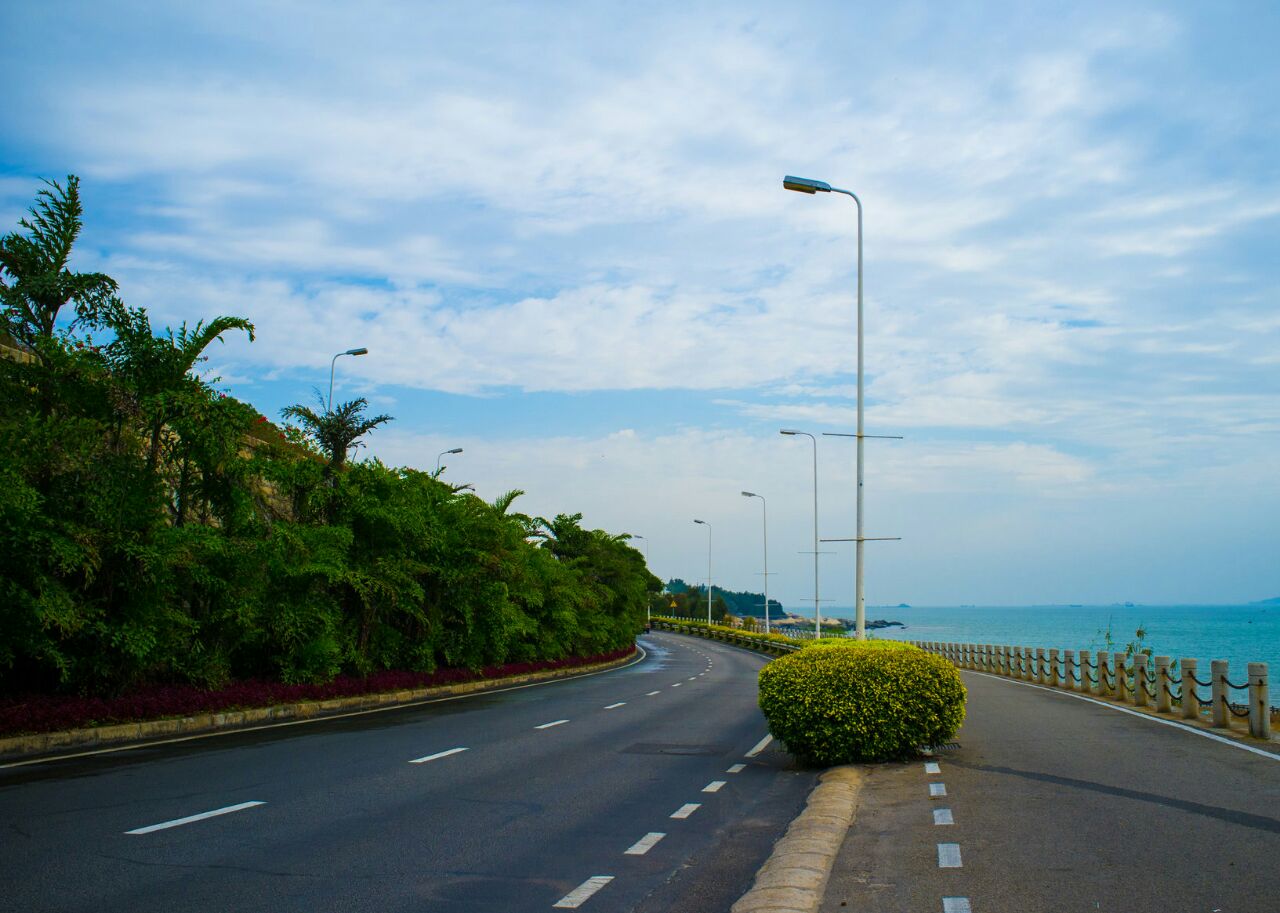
1136,679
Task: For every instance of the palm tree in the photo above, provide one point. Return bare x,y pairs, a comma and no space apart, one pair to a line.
35,282
336,431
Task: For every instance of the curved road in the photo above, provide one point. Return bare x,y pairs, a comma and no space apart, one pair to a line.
508,801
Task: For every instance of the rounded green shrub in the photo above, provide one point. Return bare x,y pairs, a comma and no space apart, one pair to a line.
861,701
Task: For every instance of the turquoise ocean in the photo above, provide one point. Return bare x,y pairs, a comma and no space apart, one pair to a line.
1239,634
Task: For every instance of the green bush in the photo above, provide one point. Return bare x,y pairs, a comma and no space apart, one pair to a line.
860,701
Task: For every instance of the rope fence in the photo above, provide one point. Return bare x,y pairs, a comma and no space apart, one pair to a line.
1155,682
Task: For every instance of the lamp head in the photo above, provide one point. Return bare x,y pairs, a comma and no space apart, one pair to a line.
360,351
703,522
454,450
750,494
788,431
805,185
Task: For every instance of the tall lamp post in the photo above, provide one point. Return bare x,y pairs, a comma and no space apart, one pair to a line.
360,351
764,505
817,611
443,454
708,526
648,608
807,185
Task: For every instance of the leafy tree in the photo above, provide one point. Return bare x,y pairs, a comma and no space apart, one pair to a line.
35,280
336,431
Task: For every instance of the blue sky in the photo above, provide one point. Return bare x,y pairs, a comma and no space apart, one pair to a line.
561,232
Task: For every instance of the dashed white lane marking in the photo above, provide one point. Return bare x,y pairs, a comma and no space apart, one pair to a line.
437,755
956,905
177,822
931,767
691,678
714,786
582,893
616,706
677,684
652,693
644,844
552,723
937,789
686,810
948,855
760,746
943,816
736,769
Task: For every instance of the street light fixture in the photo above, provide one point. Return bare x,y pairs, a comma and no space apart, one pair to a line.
708,526
810,186
648,609
817,611
443,454
765,507
360,351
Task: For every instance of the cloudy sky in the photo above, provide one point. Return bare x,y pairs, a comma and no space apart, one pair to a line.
561,232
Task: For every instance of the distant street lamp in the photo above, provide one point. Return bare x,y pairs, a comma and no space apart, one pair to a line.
648,609
765,507
443,454
360,351
817,611
807,185
708,526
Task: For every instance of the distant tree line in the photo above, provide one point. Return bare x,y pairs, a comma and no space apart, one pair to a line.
154,530
743,604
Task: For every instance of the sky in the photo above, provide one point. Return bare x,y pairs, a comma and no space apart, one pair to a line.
561,232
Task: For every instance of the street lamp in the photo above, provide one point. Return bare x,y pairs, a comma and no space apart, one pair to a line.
708,526
807,185
443,454
764,505
817,611
360,351
648,609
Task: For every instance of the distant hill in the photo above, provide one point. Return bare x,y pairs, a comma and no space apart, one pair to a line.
1275,600
749,604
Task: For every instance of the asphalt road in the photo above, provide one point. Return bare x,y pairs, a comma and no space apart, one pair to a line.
1060,804
556,783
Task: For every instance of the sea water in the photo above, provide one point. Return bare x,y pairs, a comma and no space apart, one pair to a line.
1240,634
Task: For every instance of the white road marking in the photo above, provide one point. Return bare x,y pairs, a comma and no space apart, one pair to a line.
691,678
931,767
686,810
760,746
582,893
948,855
956,905
652,693
943,816
437,755
937,789
177,822
616,706
552,723
714,786
677,684
736,769
1143,716
644,844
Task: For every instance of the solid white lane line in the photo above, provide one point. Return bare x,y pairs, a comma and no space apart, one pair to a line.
686,810
552,723
190,818
677,684
617,705
736,768
956,905
582,893
437,755
714,786
937,789
644,844
943,816
1154,719
931,767
948,855
652,693
760,746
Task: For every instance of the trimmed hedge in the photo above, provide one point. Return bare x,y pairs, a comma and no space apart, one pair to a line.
704,628
838,702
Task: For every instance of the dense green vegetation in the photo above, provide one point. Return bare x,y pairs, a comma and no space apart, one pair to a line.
154,530
839,701
743,605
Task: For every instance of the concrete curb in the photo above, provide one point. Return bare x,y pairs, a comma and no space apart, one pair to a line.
794,879
51,744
